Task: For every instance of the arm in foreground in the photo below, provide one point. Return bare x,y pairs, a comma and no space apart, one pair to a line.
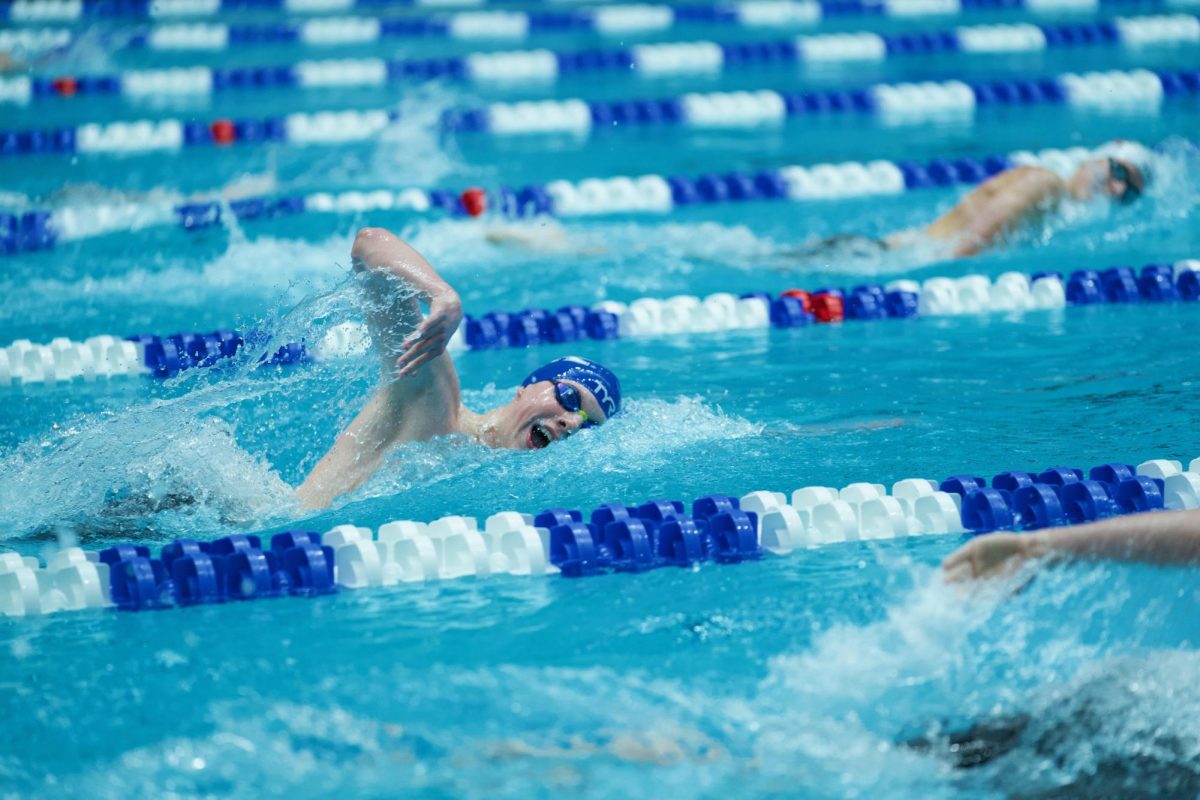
419,382
1160,537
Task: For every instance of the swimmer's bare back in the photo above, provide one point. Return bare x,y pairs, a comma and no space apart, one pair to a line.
996,207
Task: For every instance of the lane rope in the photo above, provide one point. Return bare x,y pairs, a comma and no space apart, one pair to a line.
614,537
40,230
44,11
903,103
665,60
104,358
615,21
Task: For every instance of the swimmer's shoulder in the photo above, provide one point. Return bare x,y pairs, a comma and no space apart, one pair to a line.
1021,175
1017,188
1029,178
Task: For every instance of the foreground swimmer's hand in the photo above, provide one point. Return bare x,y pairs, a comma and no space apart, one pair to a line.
1168,538
430,338
991,555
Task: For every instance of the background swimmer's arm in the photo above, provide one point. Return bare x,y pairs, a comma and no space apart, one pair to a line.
1160,537
544,236
547,235
419,396
997,206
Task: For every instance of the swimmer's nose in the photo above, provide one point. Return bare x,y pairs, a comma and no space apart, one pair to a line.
568,421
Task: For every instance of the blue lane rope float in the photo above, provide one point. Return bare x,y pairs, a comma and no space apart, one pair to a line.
891,103
43,11
647,60
64,361
38,230
518,26
614,537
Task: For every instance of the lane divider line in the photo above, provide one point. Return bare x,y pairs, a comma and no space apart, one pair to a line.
614,537
669,59
39,230
63,361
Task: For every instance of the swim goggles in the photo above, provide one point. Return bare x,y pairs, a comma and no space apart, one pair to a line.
571,400
1119,172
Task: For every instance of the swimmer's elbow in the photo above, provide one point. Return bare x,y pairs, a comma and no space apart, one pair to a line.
367,243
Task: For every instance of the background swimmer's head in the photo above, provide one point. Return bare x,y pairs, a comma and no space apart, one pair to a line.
556,400
1121,170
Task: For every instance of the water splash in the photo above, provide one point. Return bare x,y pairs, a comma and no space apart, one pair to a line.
649,435
864,709
286,269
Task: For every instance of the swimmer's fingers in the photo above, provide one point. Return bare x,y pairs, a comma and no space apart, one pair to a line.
988,556
430,328
414,365
407,362
959,566
420,352
430,338
958,573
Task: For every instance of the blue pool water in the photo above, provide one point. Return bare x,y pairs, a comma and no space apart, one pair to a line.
796,676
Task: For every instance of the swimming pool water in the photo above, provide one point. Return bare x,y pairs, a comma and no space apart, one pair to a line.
799,676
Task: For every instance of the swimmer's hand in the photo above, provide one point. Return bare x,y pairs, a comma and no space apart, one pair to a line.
992,555
430,338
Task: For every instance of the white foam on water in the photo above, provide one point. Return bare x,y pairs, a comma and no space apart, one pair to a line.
120,472
247,267
648,435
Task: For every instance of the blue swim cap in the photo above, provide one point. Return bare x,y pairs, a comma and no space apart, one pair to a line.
596,378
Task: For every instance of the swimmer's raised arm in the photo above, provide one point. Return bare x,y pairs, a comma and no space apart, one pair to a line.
396,277
997,206
419,396
1160,537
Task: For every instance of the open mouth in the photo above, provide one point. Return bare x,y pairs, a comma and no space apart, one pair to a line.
539,437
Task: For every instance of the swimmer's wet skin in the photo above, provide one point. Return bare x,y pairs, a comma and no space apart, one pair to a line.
1006,202
419,396
1166,538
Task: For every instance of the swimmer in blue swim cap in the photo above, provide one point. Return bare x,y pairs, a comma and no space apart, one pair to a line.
419,397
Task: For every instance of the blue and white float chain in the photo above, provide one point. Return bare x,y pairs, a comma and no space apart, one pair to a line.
613,537
892,104
647,60
43,11
613,21
63,361
30,231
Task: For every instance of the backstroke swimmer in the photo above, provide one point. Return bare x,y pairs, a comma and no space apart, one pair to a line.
419,396
1005,204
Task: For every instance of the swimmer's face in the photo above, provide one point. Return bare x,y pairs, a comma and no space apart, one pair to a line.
536,419
1117,178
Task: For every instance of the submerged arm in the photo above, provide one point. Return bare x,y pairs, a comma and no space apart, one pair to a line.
419,394
1161,537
